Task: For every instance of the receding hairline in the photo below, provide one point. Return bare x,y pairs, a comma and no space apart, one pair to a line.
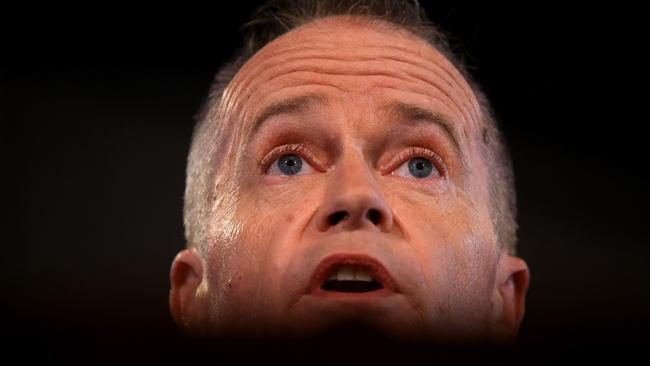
357,20
366,22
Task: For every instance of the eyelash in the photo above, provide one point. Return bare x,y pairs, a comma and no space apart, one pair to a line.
301,149
265,163
412,152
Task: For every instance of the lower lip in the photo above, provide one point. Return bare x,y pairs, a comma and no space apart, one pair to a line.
381,293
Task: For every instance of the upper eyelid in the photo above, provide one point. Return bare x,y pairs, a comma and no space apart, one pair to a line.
299,149
413,151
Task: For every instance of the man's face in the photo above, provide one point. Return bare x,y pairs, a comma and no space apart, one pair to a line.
362,195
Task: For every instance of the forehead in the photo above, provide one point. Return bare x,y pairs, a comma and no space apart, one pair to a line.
352,60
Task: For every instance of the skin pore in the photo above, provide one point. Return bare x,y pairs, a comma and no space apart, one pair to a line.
353,141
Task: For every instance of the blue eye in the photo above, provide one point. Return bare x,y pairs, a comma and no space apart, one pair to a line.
289,164
420,167
288,160
417,167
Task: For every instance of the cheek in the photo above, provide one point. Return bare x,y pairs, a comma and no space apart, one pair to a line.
277,210
282,194
280,218
232,265
259,251
455,249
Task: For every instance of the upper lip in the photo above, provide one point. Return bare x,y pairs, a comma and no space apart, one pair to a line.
375,268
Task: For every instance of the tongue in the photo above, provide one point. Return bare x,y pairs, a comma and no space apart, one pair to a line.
351,286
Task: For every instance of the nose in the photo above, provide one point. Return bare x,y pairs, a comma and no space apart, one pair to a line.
354,201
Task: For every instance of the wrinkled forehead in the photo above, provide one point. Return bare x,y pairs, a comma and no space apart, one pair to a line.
347,46
351,33
359,38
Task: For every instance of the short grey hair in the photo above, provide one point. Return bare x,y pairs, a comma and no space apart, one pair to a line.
207,194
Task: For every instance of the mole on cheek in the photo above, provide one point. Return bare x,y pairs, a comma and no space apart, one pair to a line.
290,218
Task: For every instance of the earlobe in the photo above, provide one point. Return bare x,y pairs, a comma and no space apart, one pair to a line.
513,278
185,276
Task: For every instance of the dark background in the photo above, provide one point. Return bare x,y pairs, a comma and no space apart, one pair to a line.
98,106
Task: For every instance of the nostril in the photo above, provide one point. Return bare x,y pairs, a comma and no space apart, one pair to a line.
337,217
374,216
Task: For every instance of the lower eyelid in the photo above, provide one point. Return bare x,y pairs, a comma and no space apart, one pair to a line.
437,173
306,167
414,152
298,149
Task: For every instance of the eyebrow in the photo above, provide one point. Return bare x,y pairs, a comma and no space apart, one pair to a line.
417,114
288,106
410,112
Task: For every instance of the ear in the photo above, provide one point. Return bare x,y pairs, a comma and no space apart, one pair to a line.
185,276
513,278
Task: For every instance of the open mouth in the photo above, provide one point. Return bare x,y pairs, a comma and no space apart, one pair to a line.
351,274
349,278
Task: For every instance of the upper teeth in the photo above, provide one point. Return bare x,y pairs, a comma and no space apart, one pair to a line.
348,273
